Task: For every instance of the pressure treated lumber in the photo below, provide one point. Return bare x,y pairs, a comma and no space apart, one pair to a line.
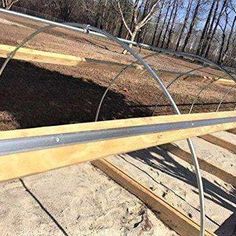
28,54
21,164
172,217
204,165
219,142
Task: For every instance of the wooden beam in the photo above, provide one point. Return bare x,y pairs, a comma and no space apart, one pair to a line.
219,142
172,217
204,165
28,54
227,82
165,119
31,162
232,131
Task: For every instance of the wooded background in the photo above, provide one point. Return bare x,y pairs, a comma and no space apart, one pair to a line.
203,27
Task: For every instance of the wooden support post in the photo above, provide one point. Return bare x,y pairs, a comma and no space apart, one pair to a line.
27,54
18,164
219,142
172,217
204,165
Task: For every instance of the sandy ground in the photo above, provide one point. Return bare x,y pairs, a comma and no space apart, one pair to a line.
229,137
85,202
81,199
212,154
173,179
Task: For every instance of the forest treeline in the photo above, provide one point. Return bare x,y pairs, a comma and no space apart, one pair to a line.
203,27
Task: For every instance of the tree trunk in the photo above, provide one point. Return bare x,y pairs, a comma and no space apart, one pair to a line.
8,4
189,34
103,15
132,39
205,29
157,24
222,43
214,30
163,25
145,11
184,24
172,24
121,29
229,39
208,34
167,26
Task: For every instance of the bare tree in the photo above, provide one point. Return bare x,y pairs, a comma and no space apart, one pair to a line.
231,33
65,8
164,22
142,33
168,23
169,38
223,37
186,18
206,28
7,4
209,32
100,16
211,37
122,26
137,21
192,24
157,22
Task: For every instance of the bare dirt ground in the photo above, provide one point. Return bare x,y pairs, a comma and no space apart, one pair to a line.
134,94
72,94
81,199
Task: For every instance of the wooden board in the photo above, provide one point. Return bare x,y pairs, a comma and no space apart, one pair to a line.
27,54
32,162
20,133
226,82
204,165
172,217
232,131
219,142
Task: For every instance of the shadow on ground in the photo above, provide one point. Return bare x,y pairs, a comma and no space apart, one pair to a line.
171,167
34,96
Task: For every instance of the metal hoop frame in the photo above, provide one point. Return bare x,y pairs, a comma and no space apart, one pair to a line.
139,59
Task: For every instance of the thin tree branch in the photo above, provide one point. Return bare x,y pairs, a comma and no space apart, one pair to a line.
8,5
123,18
148,17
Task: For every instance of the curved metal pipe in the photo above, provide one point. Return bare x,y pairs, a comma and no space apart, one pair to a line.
203,89
196,57
113,81
169,97
24,41
201,59
178,77
199,93
165,91
224,96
